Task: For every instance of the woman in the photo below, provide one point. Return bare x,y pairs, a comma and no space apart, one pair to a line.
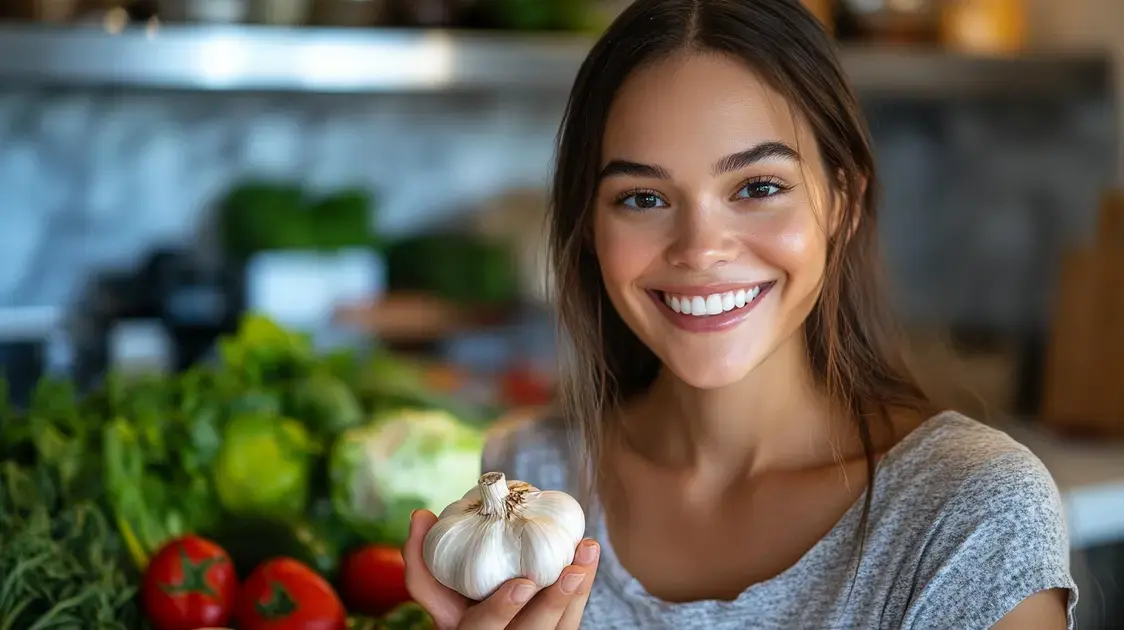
751,445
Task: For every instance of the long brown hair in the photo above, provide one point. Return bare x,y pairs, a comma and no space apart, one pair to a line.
854,350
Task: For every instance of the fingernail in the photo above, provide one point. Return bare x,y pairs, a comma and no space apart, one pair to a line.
588,552
571,582
412,515
522,594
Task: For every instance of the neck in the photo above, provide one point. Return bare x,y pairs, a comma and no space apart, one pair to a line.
775,418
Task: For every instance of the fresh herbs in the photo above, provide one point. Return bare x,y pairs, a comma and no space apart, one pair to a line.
60,558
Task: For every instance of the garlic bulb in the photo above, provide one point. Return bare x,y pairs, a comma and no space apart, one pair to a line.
501,530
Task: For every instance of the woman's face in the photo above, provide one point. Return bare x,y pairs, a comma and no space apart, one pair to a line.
712,210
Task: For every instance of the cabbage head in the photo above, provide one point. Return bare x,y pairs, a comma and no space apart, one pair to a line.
402,461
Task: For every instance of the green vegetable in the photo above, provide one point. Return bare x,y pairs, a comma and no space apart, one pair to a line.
325,404
59,561
265,354
538,15
143,513
92,485
342,220
389,383
408,616
252,541
158,442
263,469
465,268
61,437
262,216
402,461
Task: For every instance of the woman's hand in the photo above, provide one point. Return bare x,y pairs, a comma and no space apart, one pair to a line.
518,604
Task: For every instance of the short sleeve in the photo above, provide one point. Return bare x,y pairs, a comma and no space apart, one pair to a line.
1000,538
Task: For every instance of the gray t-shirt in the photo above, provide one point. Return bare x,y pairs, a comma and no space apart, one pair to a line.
965,524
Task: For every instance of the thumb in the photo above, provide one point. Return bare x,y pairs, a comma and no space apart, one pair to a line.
443,604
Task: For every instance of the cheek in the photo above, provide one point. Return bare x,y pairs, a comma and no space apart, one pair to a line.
795,244
623,252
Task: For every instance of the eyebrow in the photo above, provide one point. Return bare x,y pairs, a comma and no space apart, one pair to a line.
730,163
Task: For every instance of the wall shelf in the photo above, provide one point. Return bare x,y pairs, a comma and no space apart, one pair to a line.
258,58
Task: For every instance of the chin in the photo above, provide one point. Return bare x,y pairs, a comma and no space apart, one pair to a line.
710,372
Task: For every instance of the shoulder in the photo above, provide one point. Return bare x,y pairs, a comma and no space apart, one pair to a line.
968,463
536,449
997,529
966,472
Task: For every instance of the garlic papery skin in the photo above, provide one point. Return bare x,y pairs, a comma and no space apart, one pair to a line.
501,530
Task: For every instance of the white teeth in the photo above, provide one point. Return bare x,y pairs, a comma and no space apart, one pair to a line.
714,304
698,306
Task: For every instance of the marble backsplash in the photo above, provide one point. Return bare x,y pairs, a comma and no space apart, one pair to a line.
978,196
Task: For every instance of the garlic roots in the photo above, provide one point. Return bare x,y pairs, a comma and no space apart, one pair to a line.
501,530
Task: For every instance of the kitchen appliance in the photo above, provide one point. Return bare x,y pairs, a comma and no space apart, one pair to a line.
167,315
197,299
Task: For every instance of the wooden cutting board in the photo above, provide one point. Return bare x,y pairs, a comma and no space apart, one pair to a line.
1084,380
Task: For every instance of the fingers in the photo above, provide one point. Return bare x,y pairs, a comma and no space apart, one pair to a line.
497,612
444,605
551,606
572,589
588,555
559,606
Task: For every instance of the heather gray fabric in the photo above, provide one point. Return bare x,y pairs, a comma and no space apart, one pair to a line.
965,524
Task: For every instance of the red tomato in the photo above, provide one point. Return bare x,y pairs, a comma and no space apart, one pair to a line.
189,584
373,580
283,594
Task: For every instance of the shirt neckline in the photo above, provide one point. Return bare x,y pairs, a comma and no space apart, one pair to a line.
627,585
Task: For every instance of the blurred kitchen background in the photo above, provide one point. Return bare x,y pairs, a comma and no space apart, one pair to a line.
375,171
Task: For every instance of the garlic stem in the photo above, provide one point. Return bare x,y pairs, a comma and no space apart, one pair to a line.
493,493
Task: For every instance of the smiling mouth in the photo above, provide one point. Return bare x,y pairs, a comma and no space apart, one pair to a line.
714,304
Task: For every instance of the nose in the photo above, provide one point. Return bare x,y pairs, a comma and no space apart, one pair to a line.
702,241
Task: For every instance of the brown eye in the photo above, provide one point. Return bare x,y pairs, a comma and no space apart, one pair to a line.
759,190
642,201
